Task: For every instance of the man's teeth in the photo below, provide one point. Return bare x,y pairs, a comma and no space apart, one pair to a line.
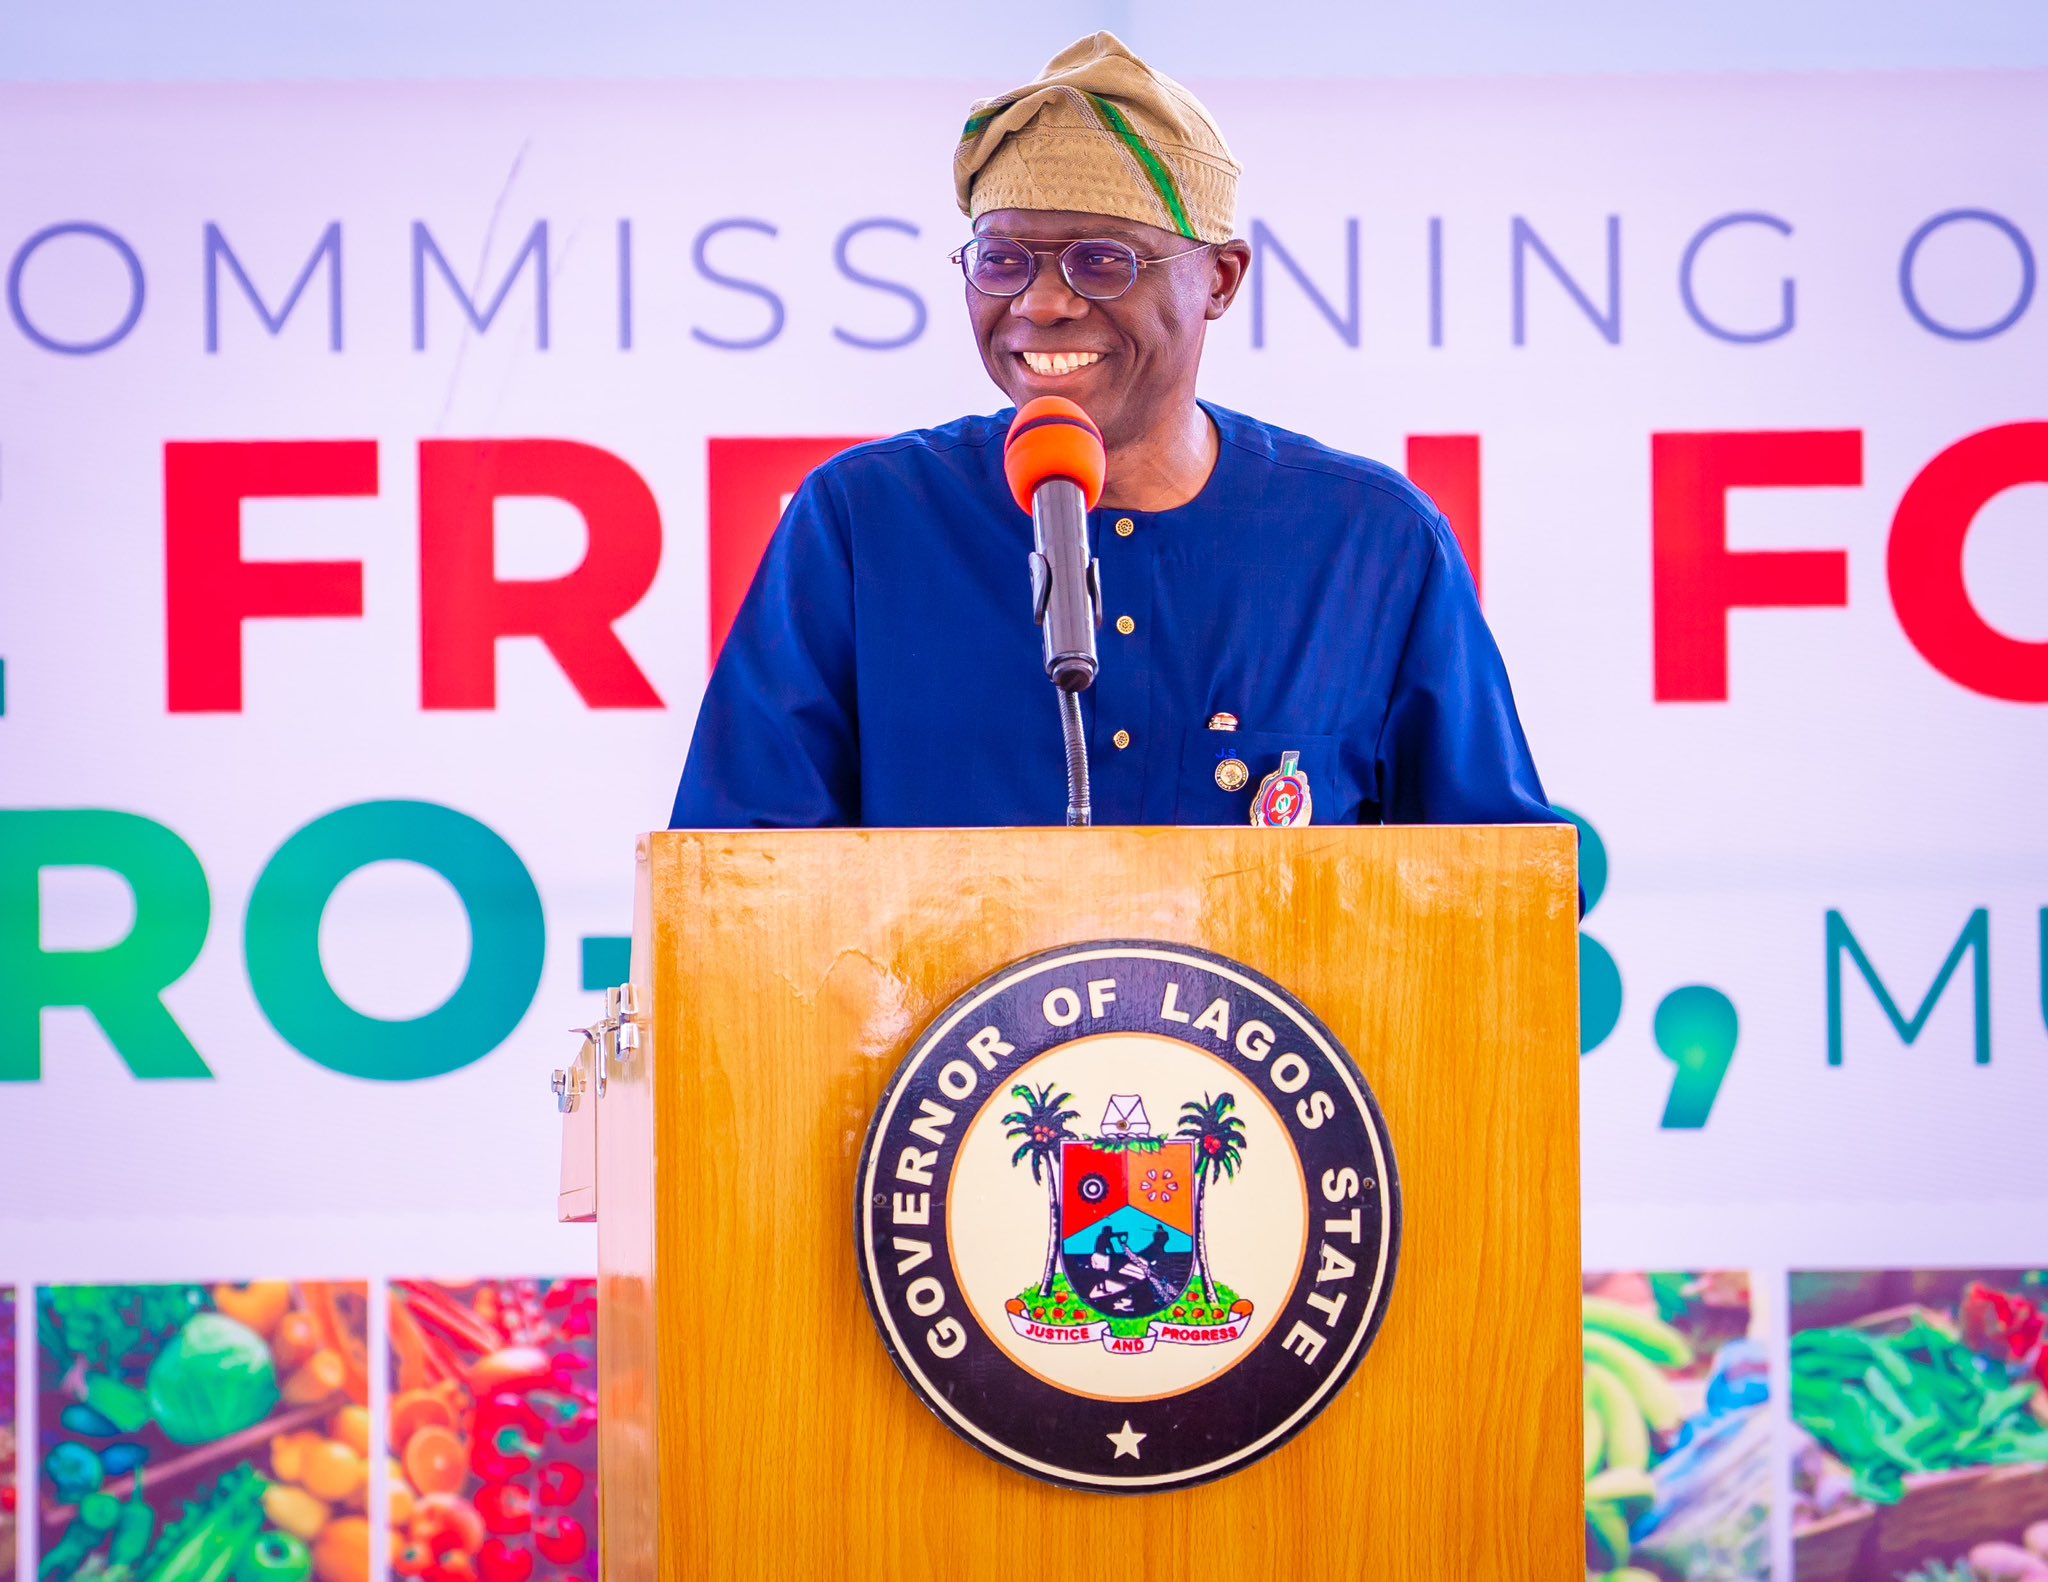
1043,363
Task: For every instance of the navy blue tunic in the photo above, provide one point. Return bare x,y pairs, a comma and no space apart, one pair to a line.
884,668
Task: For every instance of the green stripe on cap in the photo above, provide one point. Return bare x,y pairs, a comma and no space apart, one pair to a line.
1153,166
976,122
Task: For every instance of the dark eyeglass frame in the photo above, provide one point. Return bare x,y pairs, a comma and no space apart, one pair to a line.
1036,248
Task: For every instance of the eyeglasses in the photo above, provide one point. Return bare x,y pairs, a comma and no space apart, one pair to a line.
1101,271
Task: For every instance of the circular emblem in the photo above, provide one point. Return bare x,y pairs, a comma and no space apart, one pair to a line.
1232,775
1127,1216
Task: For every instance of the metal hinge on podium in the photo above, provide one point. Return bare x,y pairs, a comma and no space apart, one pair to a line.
614,1039
567,1084
607,1042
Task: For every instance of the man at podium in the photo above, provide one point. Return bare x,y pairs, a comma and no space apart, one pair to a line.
1275,612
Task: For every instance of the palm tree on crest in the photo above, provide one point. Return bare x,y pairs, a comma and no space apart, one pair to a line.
1038,1129
1218,1137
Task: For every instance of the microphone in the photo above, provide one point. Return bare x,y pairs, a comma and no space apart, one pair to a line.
1054,461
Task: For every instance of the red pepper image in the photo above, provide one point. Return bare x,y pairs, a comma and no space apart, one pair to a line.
560,1483
1996,1325
506,1365
507,1508
498,1561
561,1539
508,1438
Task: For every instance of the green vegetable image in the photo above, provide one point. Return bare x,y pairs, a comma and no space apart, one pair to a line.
204,1543
1918,1402
103,1324
100,1514
215,1378
134,1530
100,1511
73,1471
120,1404
69,1552
274,1557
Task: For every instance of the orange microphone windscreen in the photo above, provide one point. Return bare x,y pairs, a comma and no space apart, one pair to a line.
1053,438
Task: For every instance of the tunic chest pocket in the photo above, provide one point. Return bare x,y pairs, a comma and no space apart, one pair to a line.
1202,800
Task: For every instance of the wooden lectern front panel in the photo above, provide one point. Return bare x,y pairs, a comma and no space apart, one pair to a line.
754,1424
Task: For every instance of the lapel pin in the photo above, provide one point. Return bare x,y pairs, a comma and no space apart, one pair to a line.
1283,797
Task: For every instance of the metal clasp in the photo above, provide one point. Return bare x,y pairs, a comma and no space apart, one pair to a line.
567,1084
614,1037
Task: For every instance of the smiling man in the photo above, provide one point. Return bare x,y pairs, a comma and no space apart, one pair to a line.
1269,602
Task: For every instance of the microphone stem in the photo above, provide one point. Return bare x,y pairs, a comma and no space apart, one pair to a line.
1079,812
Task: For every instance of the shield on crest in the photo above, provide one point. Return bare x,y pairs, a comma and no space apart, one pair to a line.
1127,1222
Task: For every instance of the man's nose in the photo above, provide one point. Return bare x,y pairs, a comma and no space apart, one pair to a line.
1048,299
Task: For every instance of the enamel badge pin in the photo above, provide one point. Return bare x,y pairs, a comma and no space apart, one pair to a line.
1283,798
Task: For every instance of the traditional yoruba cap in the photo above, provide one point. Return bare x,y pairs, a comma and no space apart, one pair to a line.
1100,132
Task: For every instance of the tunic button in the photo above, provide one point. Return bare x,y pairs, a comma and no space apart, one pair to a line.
1122,739
1126,625
1125,527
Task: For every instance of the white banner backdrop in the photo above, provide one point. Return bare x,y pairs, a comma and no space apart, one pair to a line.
1566,270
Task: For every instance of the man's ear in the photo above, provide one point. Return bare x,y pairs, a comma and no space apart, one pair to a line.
1227,268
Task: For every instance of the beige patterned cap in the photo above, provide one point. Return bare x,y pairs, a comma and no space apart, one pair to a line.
1100,132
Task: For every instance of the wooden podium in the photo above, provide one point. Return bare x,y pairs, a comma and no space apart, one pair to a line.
752,1423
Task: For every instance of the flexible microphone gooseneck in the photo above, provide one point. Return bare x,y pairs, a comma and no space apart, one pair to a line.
1054,461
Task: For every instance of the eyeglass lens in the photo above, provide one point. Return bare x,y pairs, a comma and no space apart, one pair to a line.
1100,271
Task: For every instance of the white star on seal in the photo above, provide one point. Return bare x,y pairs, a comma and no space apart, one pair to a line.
1126,1442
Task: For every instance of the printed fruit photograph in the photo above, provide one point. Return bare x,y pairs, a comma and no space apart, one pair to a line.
1677,1429
10,1490
192,1433
1920,1426
493,1430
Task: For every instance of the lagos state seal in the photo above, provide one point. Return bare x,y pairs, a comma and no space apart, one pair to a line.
1127,1216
